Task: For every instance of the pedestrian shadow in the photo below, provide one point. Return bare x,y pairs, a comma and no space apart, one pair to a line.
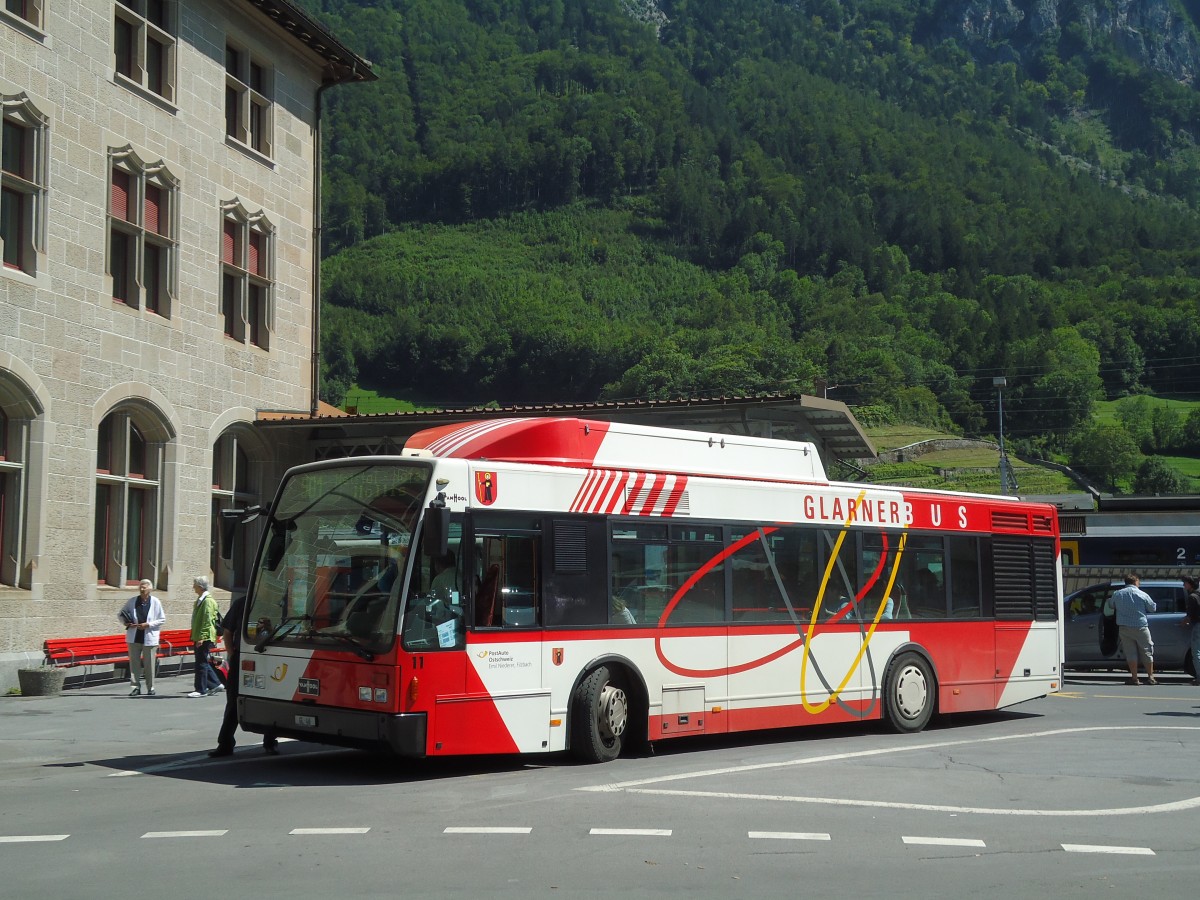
1170,713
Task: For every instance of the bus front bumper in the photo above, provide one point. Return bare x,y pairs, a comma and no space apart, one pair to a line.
401,733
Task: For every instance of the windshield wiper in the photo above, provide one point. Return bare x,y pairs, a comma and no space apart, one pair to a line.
261,644
354,643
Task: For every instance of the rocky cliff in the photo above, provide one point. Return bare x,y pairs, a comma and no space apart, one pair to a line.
1157,34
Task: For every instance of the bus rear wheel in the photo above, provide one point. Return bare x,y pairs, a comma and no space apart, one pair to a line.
599,717
909,692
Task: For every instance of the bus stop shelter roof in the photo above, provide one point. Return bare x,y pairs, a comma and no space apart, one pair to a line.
827,423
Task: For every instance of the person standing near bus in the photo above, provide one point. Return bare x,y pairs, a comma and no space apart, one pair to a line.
204,638
142,617
231,628
1193,619
1131,604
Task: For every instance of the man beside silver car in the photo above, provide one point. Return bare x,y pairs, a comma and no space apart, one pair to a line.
1131,604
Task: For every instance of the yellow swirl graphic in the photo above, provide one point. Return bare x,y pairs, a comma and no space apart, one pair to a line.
815,708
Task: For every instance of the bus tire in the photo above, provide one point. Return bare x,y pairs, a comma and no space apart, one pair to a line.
909,693
599,717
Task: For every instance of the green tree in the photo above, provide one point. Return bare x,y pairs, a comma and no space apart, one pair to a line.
1135,416
1105,452
1191,430
1166,427
1154,476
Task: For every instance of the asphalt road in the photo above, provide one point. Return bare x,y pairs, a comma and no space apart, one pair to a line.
1095,791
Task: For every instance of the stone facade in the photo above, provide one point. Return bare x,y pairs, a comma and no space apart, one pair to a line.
162,153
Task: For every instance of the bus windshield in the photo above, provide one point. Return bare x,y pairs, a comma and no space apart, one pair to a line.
335,555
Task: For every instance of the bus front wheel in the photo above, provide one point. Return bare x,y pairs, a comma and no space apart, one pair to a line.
909,693
599,717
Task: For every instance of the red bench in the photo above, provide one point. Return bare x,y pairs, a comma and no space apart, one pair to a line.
111,649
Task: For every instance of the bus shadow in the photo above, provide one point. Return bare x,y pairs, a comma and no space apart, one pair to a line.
802,735
301,765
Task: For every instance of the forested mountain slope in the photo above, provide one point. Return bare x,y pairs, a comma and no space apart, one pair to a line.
561,200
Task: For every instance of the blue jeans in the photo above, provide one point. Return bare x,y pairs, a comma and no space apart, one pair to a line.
206,676
1196,650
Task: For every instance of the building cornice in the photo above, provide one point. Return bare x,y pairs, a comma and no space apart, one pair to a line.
343,64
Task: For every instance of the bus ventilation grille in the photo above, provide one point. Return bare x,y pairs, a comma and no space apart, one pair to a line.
1043,524
1010,521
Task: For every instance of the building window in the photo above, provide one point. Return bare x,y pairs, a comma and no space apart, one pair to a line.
248,107
231,489
29,10
247,251
144,44
128,472
142,225
22,183
17,412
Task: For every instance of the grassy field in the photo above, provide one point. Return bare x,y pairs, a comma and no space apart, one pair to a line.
365,402
1106,410
889,437
980,476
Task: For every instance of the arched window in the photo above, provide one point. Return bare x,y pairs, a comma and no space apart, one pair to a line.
18,412
128,532
233,487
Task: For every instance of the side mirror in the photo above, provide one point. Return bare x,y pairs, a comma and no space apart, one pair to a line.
231,521
228,533
435,538
277,544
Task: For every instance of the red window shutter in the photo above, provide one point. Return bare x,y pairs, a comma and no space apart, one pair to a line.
153,207
229,243
120,194
257,259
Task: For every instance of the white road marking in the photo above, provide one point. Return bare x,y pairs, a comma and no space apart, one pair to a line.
1096,848
636,832
329,831
31,838
789,836
1177,806
179,834
486,830
636,786
943,842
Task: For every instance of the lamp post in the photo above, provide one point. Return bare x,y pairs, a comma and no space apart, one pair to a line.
1008,481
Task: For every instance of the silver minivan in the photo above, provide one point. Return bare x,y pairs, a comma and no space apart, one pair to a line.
1082,621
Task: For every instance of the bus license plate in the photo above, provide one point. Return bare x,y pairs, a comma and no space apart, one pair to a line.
306,721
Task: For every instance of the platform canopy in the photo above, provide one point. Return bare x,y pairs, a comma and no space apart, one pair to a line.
799,417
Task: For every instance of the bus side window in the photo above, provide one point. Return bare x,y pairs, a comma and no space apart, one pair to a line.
966,595
691,549
434,616
505,554
638,567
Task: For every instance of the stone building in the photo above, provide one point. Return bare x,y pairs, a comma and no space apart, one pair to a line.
160,206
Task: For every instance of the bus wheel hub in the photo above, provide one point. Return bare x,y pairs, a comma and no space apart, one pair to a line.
614,711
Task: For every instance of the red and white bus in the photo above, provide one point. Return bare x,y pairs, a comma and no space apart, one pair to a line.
551,584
